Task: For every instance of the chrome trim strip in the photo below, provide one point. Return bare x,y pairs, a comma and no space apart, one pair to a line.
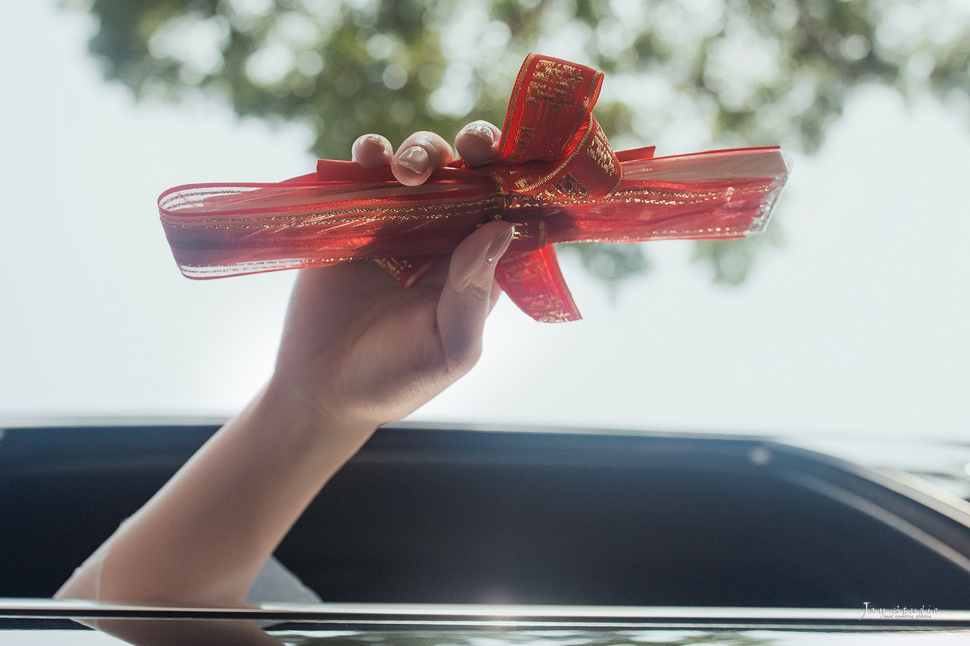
451,615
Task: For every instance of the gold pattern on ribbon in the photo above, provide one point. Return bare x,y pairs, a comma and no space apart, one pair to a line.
568,187
519,272
557,316
554,85
552,308
558,73
601,153
524,136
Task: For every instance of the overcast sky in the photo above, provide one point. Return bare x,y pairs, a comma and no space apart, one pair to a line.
859,324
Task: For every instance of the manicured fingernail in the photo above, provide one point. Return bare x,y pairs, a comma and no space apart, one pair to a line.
415,159
368,141
480,129
499,245
373,140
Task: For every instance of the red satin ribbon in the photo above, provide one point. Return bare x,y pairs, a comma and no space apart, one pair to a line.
556,178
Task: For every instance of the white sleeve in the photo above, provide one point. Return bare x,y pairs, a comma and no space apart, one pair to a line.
276,584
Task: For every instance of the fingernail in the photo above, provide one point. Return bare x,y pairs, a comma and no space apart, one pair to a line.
415,159
480,129
499,245
373,140
364,141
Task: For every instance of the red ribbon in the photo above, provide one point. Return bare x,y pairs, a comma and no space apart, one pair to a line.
555,177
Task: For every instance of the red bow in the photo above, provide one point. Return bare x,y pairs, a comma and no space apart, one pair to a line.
555,177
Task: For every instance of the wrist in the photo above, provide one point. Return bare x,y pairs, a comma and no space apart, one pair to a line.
294,408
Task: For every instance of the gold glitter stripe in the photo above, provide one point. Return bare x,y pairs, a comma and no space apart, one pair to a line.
633,196
663,232
262,264
346,215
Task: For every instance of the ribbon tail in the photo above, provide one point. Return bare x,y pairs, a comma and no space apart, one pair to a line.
533,281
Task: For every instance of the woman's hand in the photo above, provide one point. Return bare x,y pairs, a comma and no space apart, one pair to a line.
358,350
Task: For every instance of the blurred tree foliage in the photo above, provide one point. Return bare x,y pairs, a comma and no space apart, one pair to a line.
691,73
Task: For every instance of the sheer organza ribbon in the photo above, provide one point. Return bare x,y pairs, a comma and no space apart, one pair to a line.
555,177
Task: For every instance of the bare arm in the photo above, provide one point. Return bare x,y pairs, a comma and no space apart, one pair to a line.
357,351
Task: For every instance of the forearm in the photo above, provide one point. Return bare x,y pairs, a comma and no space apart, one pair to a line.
203,538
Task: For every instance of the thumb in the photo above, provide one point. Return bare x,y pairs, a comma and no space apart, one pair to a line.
467,295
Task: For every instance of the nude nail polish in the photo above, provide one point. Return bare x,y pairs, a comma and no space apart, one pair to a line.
499,245
415,159
482,130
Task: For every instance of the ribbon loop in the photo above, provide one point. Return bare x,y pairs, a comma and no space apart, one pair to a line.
551,145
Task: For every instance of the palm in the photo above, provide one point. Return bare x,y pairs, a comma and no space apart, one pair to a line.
359,346
355,335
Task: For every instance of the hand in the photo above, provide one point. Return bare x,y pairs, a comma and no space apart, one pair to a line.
359,350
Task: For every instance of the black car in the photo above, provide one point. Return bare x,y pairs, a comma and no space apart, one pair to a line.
452,535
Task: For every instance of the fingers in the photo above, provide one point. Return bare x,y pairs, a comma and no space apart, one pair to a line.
469,293
477,142
372,151
420,154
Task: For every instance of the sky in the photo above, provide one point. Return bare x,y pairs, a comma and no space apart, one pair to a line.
857,326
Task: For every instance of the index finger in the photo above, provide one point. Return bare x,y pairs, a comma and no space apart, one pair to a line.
477,142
